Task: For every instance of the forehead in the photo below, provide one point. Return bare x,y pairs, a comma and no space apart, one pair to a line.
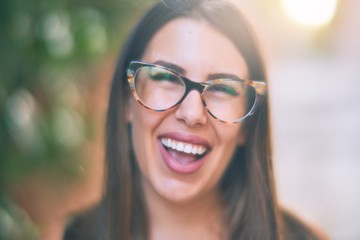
193,43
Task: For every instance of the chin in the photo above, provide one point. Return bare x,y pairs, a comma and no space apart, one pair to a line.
178,191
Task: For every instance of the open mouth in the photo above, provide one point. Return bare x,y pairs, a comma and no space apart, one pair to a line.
184,152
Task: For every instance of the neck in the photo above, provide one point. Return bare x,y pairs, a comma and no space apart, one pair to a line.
200,218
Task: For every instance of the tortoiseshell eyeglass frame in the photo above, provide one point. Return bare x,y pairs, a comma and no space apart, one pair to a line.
259,87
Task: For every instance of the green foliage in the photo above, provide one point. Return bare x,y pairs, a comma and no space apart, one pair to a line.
49,52
14,223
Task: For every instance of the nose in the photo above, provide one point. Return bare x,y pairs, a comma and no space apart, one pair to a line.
191,110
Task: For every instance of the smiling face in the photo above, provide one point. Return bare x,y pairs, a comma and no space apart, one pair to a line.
182,153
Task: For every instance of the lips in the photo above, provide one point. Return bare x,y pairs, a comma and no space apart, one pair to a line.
183,153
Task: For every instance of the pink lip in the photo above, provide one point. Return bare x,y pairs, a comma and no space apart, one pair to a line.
174,165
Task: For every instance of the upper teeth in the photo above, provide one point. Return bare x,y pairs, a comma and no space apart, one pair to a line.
183,147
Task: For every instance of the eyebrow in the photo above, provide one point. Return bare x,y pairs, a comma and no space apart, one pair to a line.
171,66
182,71
224,75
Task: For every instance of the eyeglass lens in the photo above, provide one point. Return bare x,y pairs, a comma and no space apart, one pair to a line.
226,99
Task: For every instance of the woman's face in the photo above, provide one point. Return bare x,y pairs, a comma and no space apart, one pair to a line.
197,51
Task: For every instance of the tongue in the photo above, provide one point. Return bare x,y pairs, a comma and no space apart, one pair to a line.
181,157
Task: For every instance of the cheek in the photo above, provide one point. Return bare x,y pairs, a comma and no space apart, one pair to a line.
140,119
140,132
229,137
144,124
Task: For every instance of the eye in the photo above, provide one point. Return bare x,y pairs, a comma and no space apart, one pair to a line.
224,89
159,74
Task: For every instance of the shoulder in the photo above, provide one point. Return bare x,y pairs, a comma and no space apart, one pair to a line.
296,229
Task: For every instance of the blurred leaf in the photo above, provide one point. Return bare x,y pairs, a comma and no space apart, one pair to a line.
14,223
49,54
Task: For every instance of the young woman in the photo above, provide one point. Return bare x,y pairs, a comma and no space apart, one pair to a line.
188,136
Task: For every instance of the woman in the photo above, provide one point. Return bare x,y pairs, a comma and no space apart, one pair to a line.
188,137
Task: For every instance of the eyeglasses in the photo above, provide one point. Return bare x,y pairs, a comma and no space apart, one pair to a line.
229,100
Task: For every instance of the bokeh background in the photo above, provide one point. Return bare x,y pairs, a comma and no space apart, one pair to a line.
57,59
314,70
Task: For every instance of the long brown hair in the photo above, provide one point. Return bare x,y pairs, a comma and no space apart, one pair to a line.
247,186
